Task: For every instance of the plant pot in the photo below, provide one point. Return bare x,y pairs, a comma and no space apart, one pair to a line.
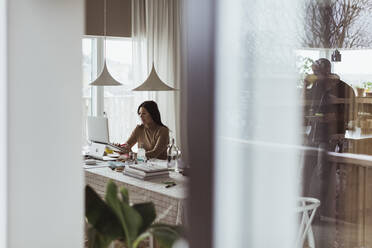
369,93
360,92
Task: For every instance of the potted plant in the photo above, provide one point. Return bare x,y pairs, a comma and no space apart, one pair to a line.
367,86
360,91
304,68
116,220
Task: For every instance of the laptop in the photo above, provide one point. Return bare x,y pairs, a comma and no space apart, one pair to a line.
97,151
98,132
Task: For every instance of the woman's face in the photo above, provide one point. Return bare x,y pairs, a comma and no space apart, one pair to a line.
145,116
315,68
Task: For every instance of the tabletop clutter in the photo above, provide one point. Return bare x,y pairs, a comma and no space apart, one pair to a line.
136,165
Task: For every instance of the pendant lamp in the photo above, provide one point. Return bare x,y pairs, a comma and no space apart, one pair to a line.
336,56
153,83
105,78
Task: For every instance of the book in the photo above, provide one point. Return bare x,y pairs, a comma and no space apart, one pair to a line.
148,167
145,177
143,173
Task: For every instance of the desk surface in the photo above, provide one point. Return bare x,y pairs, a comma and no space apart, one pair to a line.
170,203
178,192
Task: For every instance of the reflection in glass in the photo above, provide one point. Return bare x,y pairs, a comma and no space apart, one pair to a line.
337,23
290,122
337,114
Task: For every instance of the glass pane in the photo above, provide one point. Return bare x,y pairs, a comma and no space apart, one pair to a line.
354,68
337,114
120,104
257,129
294,120
89,57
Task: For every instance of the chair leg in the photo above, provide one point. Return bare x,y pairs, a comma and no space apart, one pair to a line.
310,238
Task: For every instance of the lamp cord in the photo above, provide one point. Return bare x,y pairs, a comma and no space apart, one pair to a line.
153,39
104,28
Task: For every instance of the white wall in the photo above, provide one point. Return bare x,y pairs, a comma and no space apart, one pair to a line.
45,181
3,106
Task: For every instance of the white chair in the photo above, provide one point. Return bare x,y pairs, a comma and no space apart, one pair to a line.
307,208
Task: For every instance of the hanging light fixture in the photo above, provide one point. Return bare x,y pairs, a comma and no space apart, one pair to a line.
336,56
105,78
153,83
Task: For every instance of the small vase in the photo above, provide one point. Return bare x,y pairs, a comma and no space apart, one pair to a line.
360,92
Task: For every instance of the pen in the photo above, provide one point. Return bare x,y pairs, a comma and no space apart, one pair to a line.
170,185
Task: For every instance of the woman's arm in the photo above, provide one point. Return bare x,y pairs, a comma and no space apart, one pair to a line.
160,145
132,140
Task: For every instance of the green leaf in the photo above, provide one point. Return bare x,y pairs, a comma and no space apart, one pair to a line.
178,229
130,219
148,213
124,195
97,240
100,215
165,235
140,238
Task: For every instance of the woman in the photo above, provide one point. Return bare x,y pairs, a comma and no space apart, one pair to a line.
152,135
327,111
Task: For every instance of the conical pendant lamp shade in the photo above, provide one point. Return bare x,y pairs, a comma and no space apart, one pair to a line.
105,79
153,83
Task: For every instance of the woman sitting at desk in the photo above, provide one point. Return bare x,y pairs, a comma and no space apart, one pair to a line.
152,135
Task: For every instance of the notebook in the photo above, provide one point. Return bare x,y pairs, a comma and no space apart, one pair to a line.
148,167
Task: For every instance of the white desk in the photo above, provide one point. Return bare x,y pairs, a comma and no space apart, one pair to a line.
169,202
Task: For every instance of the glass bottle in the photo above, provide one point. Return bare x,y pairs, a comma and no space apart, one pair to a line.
172,153
141,154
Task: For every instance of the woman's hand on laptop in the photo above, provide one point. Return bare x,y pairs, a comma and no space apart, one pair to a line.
125,146
121,145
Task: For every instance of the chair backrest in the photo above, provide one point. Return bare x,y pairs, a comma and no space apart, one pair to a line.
307,208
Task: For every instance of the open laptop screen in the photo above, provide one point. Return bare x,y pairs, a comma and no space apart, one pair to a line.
98,129
98,132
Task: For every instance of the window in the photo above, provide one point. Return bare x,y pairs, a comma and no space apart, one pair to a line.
118,102
89,64
354,67
289,147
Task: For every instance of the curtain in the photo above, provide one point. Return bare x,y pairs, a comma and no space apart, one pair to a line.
156,39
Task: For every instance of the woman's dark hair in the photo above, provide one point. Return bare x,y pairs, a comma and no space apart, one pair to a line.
153,110
323,66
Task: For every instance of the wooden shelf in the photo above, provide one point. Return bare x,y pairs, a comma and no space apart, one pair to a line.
364,100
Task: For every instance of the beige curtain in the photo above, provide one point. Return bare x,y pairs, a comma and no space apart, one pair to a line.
156,39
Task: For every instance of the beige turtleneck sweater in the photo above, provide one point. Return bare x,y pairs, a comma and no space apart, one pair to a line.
154,139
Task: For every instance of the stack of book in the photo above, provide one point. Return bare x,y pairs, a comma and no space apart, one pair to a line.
146,171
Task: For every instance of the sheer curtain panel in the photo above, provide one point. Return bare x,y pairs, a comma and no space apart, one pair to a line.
156,39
